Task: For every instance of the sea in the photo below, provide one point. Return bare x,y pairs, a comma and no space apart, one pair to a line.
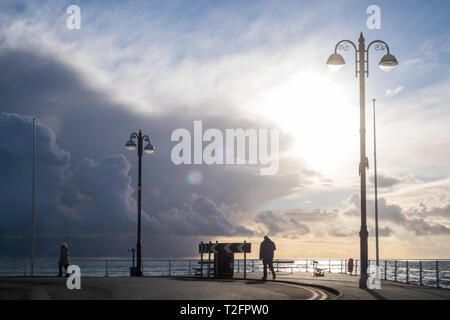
426,272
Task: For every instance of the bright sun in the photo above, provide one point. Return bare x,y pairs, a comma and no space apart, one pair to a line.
321,114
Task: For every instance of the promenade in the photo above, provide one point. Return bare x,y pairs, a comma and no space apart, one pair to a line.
297,286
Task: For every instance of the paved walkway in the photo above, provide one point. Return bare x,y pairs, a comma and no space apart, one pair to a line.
349,287
191,288
152,288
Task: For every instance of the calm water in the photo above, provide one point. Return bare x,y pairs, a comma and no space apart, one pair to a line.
121,267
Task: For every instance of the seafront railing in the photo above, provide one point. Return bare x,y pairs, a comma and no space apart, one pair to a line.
420,272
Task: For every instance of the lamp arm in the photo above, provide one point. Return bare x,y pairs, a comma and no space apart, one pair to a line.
343,45
380,45
146,138
133,136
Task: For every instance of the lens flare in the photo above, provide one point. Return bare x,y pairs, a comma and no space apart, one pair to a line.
194,178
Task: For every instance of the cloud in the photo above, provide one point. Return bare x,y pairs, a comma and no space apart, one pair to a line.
88,191
200,216
393,92
282,224
16,145
395,214
388,181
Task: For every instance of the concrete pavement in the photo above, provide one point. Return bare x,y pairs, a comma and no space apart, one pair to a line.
151,288
303,286
348,286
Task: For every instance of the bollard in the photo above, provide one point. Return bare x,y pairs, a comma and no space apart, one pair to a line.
420,273
407,272
395,270
437,274
106,274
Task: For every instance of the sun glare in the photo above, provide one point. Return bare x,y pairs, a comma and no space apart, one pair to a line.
322,116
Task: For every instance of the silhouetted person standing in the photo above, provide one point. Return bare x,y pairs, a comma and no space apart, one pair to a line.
63,259
266,254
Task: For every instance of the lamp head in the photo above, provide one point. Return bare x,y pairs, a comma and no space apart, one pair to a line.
335,62
149,148
388,62
130,145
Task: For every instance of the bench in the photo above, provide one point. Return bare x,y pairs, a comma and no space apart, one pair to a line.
318,272
199,271
291,262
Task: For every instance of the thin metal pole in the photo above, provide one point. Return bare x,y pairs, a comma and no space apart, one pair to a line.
189,271
201,259
253,265
33,199
209,259
307,265
106,268
395,270
437,273
170,267
245,263
407,272
376,185
329,265
385,270
420,273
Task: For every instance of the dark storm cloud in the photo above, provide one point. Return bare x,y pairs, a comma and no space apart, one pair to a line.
16,171
90,191
200,216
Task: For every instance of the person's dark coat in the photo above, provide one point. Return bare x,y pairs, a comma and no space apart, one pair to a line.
266,249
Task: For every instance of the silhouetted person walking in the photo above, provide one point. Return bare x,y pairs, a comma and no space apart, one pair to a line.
63,259
266,254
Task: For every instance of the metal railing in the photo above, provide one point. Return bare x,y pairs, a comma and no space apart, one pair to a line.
421,272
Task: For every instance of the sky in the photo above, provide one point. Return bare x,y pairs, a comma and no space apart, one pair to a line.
161,65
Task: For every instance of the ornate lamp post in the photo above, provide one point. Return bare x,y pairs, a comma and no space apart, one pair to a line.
388,62
131,145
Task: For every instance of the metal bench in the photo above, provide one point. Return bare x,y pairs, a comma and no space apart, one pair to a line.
318,272
199,271
291,262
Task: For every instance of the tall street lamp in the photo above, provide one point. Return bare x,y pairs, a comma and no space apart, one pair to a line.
131,145
376,184
387,63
